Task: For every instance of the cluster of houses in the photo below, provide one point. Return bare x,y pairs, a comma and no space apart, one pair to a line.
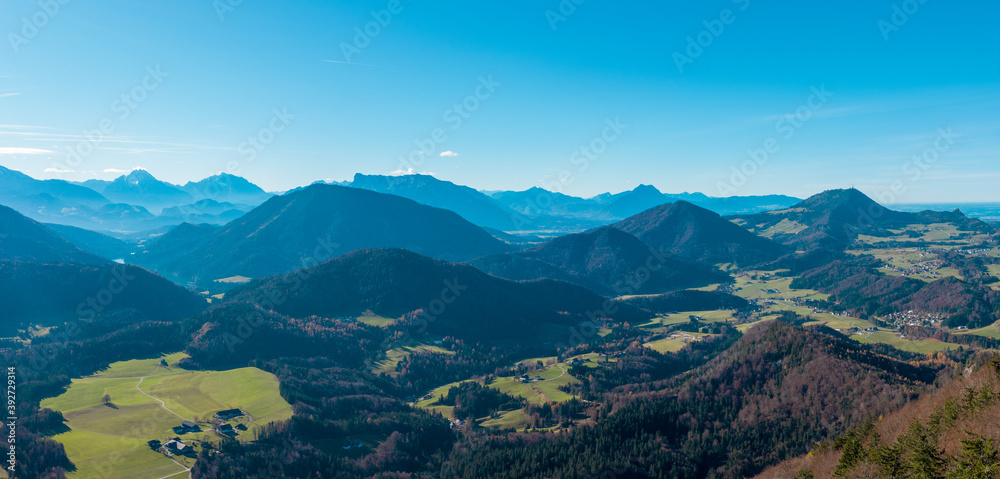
913,318
527,379
177,447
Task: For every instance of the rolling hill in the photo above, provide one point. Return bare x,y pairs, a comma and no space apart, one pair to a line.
606,260
771,396
23,239
54,293
835,218
312,225
697,234
461,300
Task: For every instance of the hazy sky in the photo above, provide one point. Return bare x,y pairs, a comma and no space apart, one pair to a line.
510,91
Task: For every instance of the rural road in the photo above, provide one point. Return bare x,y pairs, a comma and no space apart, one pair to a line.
163,404
186,469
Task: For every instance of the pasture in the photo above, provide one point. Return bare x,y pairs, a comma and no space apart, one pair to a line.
109,441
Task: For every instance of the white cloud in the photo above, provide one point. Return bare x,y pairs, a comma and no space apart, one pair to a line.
57,170
449,153
406,172
118,170
411,171
5,95
9,150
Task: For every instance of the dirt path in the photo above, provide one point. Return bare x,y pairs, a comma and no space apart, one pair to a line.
162,404
186,469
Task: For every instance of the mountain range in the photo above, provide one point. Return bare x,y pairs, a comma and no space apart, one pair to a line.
607,261
310,226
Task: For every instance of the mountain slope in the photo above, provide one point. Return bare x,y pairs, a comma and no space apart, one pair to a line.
835,218
314,224
953,430
461,300
470,204
23,239
53,293
696,234
614,207
99,243
226,188
606,260
142,189
774,393
17,185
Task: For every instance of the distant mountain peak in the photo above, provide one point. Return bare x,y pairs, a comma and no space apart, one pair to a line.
138,176
647,189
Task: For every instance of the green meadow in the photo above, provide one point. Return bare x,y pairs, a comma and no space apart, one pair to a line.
109,441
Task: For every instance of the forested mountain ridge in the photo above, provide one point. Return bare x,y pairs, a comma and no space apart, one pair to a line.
770,396
834,218
24,239
696,234
951,432
437,296
314,224
607,261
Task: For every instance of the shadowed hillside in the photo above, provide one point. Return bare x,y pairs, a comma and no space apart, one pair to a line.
606,260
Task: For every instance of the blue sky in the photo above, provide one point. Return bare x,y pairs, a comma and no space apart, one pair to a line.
179,88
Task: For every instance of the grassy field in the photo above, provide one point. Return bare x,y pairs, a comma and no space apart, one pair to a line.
667,345
372,319
991,331
750,288
535,392
786,226
994,270
831,320
508,419
924,346
539,392
235,280
109,441
395,355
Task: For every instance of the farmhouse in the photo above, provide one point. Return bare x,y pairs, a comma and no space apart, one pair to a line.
226,429
186,427
178,448
229,414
